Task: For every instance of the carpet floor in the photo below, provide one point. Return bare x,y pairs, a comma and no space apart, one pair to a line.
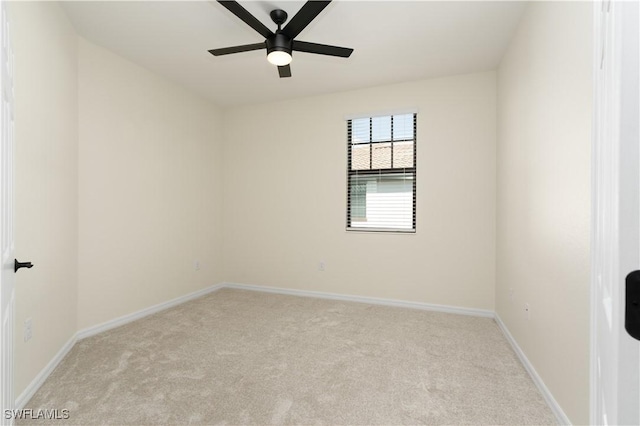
243,357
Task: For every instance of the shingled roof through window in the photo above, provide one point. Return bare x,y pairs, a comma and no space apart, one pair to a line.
378,156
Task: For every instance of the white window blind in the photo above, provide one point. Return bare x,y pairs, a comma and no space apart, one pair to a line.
381,173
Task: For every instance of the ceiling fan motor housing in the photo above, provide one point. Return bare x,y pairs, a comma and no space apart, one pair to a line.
279,42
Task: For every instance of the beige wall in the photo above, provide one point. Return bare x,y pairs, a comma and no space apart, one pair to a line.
285,192
46,182
121,187
544,140
118,186
149,189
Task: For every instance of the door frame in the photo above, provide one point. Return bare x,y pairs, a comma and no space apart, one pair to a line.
615,195
7,206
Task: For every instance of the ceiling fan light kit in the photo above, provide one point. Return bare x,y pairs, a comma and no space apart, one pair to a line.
281,43
279,49
279,58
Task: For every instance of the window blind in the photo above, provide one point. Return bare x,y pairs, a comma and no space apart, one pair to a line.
381,173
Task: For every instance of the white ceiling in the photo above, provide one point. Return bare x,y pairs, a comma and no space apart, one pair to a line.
394,41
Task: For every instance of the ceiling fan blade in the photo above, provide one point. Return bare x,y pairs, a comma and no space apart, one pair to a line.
238,49
284,71
310,10
242,13
321,49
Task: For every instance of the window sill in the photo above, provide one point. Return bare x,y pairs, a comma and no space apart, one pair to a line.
380,231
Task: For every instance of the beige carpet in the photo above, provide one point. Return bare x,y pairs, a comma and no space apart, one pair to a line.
241,357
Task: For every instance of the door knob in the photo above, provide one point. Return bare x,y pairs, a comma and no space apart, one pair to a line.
18,265
632,311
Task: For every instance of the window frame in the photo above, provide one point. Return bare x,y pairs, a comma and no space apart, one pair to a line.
381,171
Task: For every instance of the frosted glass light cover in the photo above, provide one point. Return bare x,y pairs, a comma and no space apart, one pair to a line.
279,58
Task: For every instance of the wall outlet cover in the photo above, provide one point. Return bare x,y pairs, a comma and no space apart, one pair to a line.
28,330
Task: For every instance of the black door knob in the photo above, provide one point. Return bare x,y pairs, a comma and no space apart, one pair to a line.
632,305
18,265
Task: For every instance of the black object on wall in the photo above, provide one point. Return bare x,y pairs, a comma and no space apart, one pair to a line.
632,308
17,265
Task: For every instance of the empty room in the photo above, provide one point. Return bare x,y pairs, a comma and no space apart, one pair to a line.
347,212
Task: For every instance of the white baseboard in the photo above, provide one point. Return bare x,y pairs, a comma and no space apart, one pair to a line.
561,417
365,299
125,319
35,384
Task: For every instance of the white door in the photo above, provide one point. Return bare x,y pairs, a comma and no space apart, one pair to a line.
615,373
7,275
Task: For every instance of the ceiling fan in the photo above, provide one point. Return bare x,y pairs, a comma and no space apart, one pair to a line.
281,43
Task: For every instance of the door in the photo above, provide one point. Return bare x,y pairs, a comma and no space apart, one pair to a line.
7,275
615,355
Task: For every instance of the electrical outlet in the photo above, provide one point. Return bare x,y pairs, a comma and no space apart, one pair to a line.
527,310
196,265
28,332
321,265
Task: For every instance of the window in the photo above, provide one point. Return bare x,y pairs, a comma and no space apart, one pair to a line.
381,173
